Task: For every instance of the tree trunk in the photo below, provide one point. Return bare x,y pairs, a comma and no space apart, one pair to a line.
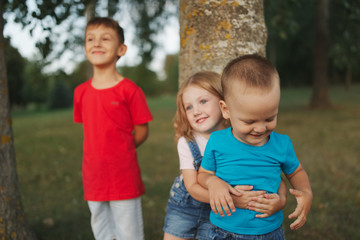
89,14
214,32
320,96
12,221
348,77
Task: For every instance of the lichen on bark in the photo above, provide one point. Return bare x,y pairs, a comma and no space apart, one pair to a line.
214,32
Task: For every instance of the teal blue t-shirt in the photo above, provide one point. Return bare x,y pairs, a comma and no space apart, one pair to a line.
238,163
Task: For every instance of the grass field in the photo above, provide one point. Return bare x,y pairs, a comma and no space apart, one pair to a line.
48,148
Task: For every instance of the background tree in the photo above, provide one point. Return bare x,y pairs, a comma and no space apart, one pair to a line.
79,74
345,45
36,84
12,222
60,93
213,32
143,77
15,69
320,96
150,16
291,43
290,40
171,69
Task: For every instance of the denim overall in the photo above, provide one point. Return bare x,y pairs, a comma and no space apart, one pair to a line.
187,217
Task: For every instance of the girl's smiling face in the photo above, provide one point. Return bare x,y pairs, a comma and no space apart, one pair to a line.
202,110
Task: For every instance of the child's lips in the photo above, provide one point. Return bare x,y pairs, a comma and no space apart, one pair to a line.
257,135
98,52
201,120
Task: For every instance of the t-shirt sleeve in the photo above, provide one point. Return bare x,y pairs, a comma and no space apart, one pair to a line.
291,162
185,157
208,162
139,108
77,107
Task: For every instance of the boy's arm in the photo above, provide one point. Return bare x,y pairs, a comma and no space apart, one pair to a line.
299,180
141,133
270,203
219,192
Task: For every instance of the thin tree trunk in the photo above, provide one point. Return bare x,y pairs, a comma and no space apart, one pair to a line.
348,77
89,14
214,32
320,97
272,56
12,221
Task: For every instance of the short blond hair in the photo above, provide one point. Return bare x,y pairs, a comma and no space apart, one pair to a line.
252,70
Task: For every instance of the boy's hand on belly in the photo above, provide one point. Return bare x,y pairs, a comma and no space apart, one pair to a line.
246,196
268,204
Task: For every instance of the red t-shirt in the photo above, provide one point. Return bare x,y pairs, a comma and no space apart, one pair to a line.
110,167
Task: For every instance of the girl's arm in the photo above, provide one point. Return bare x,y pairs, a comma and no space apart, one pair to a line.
141,133
303,193
193,187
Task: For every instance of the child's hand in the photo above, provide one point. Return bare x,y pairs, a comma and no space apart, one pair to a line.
246,196
220,198
304,200
267,205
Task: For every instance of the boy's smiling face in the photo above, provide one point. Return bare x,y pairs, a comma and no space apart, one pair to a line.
252,112
102,46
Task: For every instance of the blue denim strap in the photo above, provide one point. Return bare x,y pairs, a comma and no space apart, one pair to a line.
195,151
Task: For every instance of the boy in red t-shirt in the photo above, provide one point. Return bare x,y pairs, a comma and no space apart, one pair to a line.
115,116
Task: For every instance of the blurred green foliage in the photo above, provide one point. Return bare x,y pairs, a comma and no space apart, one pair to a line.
291,36
290,26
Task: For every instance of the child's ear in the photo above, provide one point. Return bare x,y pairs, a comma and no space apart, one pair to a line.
224,109
122,50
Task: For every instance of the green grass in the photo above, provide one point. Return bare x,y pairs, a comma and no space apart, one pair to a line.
48,149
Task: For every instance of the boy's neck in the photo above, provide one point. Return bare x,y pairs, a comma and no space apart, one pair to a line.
105,78
247,143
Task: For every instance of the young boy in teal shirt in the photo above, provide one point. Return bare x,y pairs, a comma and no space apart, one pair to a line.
250,153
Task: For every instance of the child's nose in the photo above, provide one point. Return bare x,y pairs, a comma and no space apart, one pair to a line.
260,128
97,42
197,111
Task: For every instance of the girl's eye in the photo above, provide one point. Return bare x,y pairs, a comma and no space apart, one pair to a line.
188,108
203,101
89,39
270,119
249,122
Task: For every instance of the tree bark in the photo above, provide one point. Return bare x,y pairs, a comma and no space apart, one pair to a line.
12,221
89,14
348,77
214,32
320,96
